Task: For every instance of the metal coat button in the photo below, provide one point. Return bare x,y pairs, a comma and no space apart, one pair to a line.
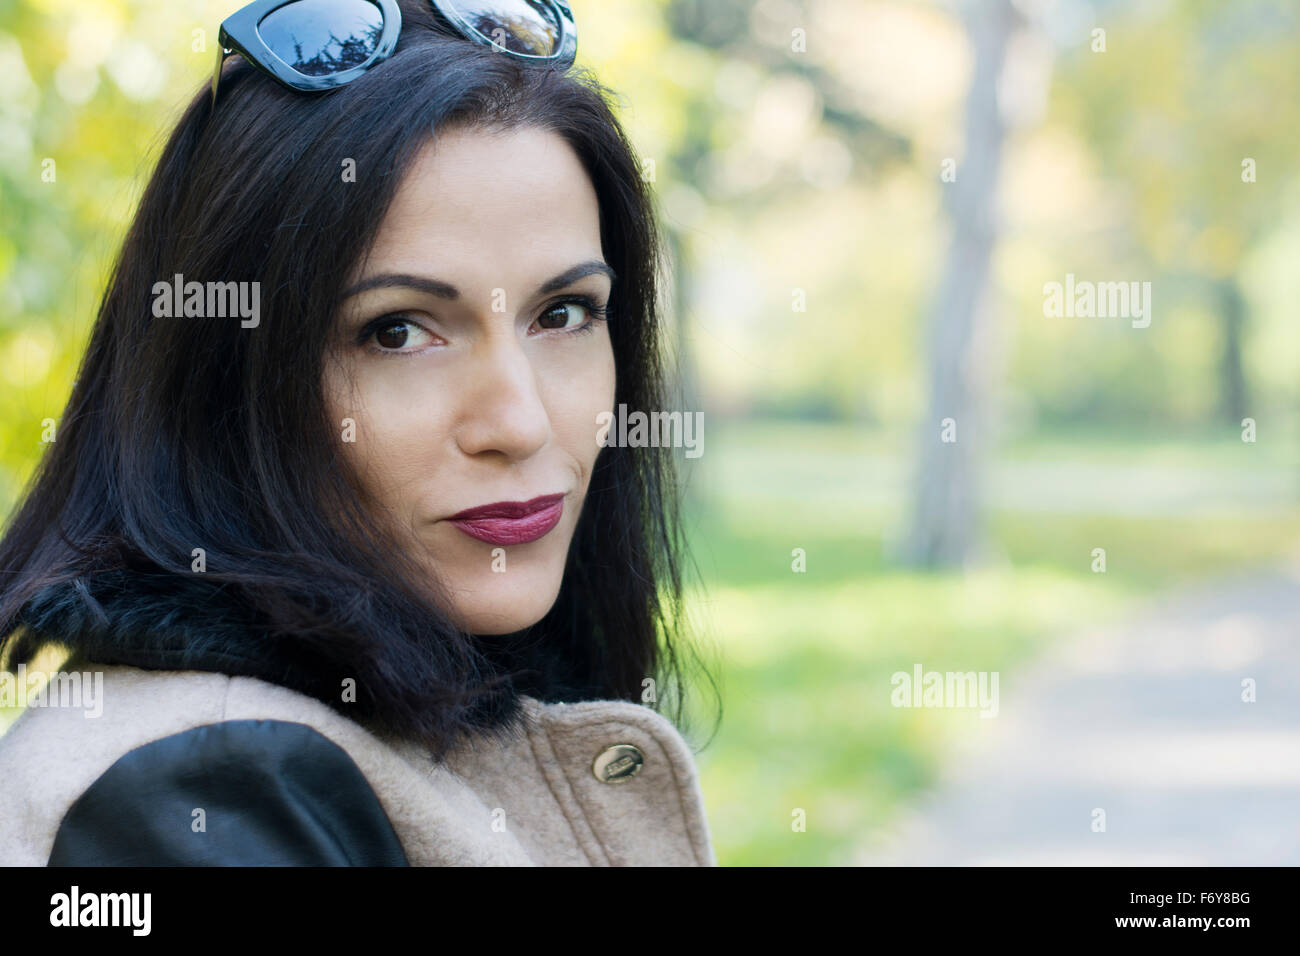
619,763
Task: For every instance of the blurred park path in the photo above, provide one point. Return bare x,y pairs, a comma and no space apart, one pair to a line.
1146,722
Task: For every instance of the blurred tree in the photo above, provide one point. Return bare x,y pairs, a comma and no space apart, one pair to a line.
954,433
1186,113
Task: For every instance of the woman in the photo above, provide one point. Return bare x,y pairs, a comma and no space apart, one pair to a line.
326,513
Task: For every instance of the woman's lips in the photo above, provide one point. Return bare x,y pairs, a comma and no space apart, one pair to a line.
511,522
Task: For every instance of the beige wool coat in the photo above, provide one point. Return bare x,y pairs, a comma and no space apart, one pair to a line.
541,799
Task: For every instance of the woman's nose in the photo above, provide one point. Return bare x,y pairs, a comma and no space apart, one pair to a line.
502,408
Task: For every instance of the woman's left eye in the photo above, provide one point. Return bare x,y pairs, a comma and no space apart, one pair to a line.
569,316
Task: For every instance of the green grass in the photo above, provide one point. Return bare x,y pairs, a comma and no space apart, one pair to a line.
806,658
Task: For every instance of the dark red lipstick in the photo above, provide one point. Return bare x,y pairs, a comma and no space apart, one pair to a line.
511,522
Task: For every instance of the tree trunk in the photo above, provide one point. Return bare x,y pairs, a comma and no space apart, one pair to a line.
682,356
1234,396
944,529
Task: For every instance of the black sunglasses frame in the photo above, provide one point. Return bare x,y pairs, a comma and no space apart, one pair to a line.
239,34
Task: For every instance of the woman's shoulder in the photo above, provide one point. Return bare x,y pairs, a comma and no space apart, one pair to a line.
86,711
116,764
233,793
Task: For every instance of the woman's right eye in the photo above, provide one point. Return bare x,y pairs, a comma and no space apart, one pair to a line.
393,334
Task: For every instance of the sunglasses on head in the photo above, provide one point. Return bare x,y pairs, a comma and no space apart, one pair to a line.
318,45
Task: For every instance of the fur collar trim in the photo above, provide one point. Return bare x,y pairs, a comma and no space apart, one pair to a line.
186,622
161,622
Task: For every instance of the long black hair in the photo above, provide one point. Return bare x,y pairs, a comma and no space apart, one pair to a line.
198,433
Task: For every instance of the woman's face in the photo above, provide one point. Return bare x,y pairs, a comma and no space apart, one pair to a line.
473,370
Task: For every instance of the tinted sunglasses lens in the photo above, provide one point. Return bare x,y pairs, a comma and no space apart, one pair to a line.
320,37
520,26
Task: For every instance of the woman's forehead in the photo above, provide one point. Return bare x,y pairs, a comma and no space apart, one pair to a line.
487,209
475,184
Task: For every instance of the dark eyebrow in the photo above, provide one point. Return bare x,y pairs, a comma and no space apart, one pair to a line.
445,290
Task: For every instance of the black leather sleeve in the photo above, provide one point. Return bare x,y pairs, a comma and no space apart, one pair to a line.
235,793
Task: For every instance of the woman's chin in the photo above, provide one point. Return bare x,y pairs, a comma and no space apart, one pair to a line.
504,606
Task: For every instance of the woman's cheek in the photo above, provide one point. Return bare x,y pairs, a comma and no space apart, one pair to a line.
581,394
382,439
